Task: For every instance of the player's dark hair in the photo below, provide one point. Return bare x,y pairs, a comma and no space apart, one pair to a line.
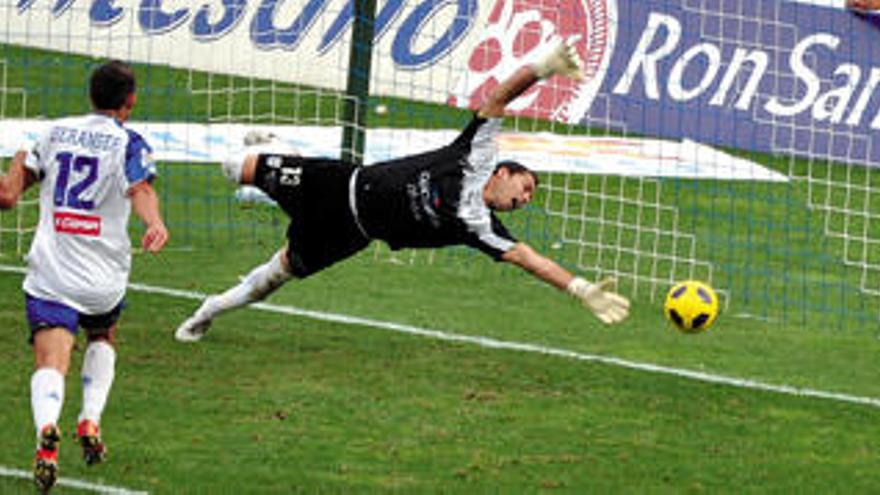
110,85
516,168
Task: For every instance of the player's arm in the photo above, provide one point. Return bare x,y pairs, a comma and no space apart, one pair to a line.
599,298
146,206
16,181
562,59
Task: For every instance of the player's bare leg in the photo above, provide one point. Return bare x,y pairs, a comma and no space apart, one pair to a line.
255,286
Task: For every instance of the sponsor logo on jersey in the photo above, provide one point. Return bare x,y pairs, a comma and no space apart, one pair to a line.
74,223
422,199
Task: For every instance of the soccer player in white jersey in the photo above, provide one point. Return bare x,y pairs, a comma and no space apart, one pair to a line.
91,171
440,198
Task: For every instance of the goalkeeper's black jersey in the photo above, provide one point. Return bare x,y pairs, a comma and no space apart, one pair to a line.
436,198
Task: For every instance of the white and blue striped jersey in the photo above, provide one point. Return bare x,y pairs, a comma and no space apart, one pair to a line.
81,253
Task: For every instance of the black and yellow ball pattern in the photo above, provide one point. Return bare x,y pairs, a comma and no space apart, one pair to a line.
691,305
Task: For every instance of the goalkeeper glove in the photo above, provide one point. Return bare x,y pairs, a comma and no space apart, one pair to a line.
563,59
600,298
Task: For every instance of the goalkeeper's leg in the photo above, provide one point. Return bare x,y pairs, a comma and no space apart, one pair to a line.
239,167
255,286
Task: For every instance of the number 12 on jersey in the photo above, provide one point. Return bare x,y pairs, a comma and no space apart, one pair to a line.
70,196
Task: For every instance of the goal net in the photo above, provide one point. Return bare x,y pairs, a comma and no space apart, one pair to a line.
728,141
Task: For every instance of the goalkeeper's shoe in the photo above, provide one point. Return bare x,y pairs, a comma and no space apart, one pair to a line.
89,435
192,330
268,142
255,138
46,461
195,327
562,59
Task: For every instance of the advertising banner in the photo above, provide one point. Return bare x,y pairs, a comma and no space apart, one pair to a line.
797,77
544,152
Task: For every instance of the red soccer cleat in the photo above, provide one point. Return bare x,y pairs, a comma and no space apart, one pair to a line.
93,448
46,461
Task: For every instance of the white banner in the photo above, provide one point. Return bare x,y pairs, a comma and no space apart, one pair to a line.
543,152
422,49
305,42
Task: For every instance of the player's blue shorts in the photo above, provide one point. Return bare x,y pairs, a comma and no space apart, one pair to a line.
43,314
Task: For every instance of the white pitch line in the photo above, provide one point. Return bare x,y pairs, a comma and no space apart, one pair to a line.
72,483
520,346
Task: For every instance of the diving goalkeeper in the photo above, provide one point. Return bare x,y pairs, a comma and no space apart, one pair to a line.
440,198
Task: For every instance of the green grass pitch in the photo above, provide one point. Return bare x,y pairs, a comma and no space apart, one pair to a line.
277,404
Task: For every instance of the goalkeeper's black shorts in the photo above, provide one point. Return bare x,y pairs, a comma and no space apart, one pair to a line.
314,192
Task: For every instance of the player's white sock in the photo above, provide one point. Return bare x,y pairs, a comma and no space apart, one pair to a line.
255,286
98,370
256,143
233,165
47,396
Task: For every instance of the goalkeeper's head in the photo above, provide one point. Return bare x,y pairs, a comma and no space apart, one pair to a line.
511,186
112,89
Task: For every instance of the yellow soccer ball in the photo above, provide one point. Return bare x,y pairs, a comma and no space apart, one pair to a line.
691,305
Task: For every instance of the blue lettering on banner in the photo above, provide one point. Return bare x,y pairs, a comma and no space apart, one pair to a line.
61,6
266,35
386,16
103,13
24,5
233,13
339,26
777,76
402,49
154,20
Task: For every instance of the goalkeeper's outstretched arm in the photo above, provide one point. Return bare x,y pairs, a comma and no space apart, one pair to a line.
16,181
599,297
562,59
